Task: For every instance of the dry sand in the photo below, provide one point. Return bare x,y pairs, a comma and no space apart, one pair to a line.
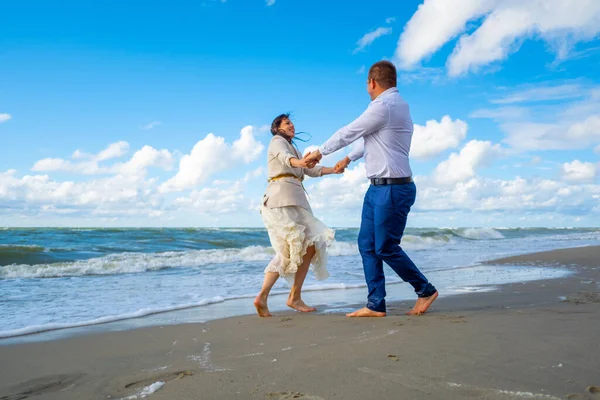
534,340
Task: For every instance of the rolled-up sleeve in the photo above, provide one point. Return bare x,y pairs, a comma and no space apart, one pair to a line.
314,172
373,119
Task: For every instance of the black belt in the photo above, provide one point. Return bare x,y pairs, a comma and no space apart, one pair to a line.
391,181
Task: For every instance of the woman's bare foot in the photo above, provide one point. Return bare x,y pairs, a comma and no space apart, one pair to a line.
365,312
261,307
423,304
299,305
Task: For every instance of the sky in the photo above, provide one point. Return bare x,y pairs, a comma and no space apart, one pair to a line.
148,114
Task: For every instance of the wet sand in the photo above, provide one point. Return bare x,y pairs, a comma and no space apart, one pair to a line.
531,340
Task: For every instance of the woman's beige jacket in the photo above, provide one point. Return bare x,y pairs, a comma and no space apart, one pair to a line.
288,190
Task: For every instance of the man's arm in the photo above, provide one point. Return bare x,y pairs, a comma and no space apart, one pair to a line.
373,119
358,151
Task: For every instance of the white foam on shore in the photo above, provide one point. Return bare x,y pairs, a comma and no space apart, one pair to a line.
113,318
145,392
150,311
204,360
526,395
529,273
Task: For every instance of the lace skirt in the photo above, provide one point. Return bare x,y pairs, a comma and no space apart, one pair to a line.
292,230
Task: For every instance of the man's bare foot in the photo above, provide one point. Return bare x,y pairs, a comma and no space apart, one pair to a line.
423,304
261,307
299,305
365,312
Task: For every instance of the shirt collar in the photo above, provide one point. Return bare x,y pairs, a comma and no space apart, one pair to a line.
387,92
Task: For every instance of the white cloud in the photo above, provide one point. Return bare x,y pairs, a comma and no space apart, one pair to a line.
114,150
340,197
58,164
144,158
340,192
36,193
553,136
461,166
370,37
215,200
548,124
4,117
211,155
390,20
506,24
433,24
535,196
270,2
578,171
544,92
264,128
434,76
246,147
361,70
437,137
597,149
500,113
151,125
257,173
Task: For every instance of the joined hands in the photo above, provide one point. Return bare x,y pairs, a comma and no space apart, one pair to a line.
311,159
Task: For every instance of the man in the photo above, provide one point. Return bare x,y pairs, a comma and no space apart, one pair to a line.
386,130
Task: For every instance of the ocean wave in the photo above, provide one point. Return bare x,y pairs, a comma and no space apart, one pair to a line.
33,254
478,233
412,242
24,266
128,263
21,248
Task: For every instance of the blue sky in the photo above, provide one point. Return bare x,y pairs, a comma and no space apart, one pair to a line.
155,115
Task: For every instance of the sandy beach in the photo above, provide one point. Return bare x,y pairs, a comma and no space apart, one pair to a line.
536,339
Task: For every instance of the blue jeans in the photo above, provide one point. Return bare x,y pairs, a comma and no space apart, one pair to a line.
384,214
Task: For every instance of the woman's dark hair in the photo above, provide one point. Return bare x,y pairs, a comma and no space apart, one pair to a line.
277,123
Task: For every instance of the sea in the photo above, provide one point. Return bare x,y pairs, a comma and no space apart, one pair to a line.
64,281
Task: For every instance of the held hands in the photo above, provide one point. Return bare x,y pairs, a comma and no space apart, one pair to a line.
307,161
341,165
311,159
314,156
339,168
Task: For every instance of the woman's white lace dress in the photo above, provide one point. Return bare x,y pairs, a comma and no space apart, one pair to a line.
291,231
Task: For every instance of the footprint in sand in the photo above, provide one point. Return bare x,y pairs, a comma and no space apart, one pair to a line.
585,396
593,389
293,395
45,385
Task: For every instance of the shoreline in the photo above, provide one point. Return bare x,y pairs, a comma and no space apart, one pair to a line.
531,339
332,298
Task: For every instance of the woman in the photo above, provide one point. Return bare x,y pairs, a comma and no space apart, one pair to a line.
298,238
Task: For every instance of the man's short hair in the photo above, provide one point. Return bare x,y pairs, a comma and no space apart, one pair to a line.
384,73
